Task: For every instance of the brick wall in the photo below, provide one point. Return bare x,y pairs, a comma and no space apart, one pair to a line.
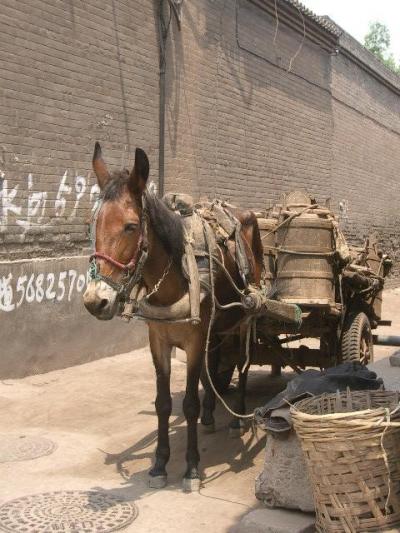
239,125
71,73
366,151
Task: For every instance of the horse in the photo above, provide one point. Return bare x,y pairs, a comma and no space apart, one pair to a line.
136,234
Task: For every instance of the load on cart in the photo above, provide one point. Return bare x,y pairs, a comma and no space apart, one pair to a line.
337,287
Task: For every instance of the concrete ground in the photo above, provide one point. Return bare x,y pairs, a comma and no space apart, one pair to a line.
101,415
390,311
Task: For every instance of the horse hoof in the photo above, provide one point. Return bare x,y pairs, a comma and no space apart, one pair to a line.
157,482
236,433
191,485
209,428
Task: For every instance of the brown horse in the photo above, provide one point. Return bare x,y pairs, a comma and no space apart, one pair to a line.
122,245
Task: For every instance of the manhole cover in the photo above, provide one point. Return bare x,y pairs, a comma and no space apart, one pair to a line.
67,512
24,447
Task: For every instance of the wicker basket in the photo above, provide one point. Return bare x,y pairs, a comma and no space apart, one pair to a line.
351,442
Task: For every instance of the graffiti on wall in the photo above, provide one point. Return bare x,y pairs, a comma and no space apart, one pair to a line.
24,206
27,207
39,287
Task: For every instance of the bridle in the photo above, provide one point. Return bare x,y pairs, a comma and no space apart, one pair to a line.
133,269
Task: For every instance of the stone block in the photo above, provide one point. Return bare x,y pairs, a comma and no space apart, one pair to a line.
284,481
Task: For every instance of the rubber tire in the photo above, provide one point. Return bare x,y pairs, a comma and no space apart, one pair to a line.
357,328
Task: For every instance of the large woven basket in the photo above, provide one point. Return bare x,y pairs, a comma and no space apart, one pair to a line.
351,442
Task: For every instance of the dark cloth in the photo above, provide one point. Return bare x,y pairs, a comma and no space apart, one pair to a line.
354,376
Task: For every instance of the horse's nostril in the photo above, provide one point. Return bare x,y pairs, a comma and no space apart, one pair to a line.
103,303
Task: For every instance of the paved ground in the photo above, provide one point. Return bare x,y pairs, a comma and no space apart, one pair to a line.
101,415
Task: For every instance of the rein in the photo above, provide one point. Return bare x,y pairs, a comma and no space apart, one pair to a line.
133,269
128,266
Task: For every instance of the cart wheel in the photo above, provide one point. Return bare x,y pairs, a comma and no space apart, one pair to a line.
357,343
223,379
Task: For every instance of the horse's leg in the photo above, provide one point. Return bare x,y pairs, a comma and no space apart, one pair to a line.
236,427
161,353
191,410
207,418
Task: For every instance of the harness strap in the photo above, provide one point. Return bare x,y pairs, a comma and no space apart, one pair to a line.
128,266
133,270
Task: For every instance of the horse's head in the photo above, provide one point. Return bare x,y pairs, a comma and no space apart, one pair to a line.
118,232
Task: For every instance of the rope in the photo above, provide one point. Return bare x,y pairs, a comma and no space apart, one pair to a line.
298,252
210,324
385,459
276,23
228,276
162,320
289,219
302,41
248,334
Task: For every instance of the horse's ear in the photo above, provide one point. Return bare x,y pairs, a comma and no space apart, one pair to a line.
99,166
140,173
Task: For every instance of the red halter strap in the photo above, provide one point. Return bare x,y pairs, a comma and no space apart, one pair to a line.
129,267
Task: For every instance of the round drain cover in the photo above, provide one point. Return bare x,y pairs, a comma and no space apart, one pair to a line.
67,511
24,447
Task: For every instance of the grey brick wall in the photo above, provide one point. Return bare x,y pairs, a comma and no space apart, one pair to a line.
71,73
240,126
366,155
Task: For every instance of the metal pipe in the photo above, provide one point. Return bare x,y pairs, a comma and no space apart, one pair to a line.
292,338
161,149
163,34
175,7
386,340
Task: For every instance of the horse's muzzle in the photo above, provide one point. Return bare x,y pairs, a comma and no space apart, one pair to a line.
100,300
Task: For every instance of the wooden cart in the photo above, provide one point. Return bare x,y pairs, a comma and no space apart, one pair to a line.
338,289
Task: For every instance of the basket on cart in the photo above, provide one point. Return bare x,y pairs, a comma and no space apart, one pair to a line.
351,442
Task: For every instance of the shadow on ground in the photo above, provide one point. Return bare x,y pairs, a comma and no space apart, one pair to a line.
220,454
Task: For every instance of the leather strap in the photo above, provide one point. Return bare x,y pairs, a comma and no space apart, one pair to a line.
128,266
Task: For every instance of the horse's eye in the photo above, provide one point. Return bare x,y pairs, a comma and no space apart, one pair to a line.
130,227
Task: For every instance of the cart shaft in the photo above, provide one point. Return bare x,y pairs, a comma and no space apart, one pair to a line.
387,340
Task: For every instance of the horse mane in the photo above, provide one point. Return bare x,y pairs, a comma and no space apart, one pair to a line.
166,224
115,186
